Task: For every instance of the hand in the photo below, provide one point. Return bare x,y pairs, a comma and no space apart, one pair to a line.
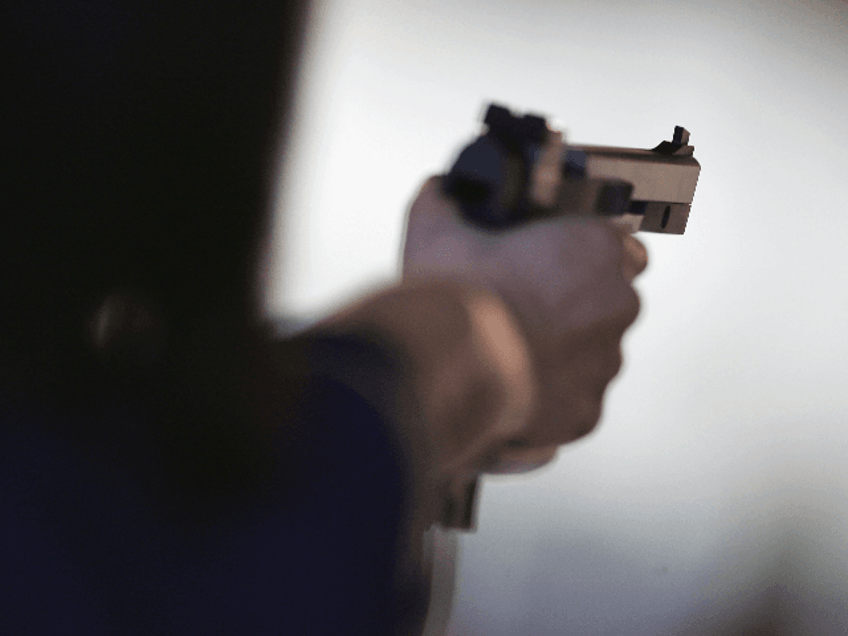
567,281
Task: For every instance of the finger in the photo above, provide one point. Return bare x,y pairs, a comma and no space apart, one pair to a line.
522,460
634,257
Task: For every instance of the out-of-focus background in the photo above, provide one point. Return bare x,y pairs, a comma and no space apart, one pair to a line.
715,490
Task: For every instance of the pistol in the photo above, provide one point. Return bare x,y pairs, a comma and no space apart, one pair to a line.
505,177
520,169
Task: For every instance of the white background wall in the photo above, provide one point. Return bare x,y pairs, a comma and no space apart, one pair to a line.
720,468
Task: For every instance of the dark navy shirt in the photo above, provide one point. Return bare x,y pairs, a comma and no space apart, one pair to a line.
86,546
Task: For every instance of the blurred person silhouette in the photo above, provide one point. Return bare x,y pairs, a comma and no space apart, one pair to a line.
168,464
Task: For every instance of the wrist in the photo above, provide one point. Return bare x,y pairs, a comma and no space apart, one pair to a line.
467,362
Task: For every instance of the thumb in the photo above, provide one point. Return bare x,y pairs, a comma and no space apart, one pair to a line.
432,204
434,238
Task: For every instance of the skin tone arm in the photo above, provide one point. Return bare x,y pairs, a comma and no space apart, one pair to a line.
513,337
568,284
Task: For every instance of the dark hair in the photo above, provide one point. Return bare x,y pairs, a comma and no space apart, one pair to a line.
137,144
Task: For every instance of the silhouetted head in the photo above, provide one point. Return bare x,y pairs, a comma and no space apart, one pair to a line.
138,144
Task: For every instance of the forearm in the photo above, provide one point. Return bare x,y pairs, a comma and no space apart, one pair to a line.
464,363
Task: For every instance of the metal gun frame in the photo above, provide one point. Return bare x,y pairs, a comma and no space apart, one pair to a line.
495,178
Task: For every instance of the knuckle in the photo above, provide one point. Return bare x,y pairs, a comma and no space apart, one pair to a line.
582,416
634,257
587,417
614,363
632,305
624,305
